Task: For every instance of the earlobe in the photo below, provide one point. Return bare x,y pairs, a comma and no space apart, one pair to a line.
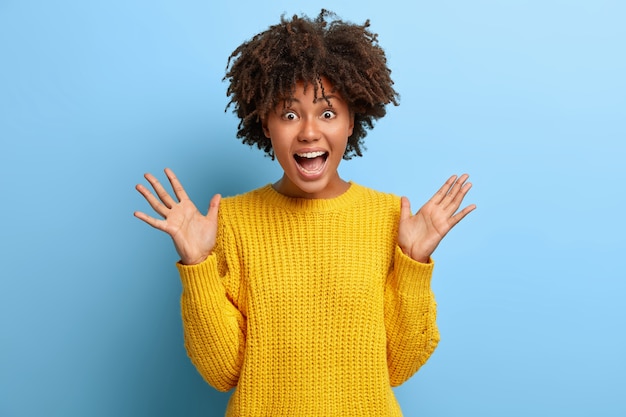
351,127
266,131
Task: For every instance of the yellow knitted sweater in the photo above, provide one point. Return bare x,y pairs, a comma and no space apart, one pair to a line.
308,307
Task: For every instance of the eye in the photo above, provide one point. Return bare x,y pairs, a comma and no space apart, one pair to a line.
328,114
289,115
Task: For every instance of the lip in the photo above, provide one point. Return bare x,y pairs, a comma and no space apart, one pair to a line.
308,150
311,175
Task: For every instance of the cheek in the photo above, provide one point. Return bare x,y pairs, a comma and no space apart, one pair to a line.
342,135
280,147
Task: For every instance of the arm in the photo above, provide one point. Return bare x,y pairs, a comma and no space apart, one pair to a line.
213,326
214,329
410,317
410,308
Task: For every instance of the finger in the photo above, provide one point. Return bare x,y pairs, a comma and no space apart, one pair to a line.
156,223
179,191
458,189
214,206
156,205
405,208
459,195
443,191
454,220
167,200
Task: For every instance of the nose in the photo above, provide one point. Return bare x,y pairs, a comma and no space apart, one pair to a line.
309,131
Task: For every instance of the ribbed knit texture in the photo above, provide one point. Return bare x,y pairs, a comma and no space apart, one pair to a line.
308,307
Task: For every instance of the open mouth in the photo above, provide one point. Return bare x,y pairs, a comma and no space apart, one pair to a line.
311,162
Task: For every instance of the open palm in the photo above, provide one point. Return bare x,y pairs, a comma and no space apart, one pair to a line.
193,233
420,234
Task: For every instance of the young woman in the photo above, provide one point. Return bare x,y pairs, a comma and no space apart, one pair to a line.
310,296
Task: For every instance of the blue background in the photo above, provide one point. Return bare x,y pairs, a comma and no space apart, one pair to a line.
529,97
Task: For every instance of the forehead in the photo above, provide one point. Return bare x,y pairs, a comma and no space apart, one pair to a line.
321,90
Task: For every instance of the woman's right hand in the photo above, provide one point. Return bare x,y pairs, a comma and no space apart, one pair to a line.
193,233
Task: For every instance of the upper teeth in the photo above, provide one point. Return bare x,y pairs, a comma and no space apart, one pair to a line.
311,154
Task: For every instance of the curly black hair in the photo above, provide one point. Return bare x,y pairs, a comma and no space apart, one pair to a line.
264,71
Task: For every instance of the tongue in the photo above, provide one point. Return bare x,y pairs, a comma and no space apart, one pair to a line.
311,164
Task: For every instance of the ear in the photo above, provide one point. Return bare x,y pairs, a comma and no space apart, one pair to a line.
351,126
266,131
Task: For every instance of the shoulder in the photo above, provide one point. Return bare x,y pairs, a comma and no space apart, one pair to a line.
253,197
235,208
371,202
370,194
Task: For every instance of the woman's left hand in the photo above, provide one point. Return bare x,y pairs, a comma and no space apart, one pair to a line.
420,234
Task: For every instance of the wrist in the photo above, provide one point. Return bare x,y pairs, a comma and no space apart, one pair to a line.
421,259
416,255
194,260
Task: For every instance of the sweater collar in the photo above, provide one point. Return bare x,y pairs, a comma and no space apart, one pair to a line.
348,198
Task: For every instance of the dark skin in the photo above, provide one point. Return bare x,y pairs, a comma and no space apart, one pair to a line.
194,234
305,124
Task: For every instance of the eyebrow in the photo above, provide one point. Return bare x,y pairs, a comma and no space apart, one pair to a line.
321,98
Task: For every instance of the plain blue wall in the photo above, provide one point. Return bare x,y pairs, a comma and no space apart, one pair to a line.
527,96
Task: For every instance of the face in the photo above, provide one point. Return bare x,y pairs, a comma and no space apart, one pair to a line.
309,138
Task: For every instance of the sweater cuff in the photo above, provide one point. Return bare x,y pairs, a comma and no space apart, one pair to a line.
201,280
411,276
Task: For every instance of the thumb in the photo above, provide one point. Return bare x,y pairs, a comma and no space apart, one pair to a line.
405,208
214,206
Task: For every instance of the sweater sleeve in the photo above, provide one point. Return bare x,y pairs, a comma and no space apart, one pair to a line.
214,328
410,317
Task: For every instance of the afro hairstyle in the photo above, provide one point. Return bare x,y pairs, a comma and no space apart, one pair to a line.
263,72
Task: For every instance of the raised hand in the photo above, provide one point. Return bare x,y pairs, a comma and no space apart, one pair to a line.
193,233
420,234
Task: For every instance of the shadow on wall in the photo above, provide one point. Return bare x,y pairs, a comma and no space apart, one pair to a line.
154,375
160,379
